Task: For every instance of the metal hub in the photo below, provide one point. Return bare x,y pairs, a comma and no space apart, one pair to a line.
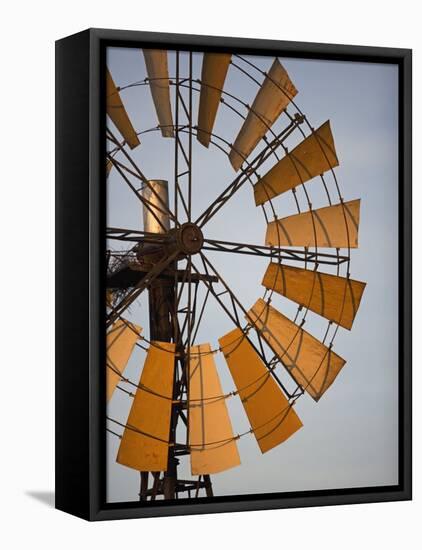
189,239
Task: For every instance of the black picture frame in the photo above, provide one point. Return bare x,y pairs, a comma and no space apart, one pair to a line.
80,241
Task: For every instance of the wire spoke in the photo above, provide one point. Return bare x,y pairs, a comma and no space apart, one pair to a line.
245,174
133,235
274,252
235,302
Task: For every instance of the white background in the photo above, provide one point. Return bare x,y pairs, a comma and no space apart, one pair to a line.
27,225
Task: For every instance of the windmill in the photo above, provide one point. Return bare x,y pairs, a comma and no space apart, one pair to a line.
272,358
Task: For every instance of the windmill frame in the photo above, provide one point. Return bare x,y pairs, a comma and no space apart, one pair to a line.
80,452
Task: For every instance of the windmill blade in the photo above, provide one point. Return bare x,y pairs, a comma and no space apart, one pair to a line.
335,298
334,226
150,413
312,364
117,112
213,76
268,105
313,156
272,418
209,421
158,74
121,339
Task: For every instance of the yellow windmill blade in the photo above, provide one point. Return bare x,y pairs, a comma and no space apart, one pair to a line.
312,364
158,75
313,156
213,76
335,226
118,114
211,439
145,442
272,98
121,339
272,418
331,296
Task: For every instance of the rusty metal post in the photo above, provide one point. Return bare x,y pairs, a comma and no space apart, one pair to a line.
161,296
144,486
161,291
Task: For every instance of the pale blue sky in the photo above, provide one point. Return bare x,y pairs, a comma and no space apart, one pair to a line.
349,438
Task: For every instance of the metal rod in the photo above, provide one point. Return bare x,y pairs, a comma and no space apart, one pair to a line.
237,183
234,318
274,252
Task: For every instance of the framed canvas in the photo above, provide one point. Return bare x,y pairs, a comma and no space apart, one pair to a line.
233,274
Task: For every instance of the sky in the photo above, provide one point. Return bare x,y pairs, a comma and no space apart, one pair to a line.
349,438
